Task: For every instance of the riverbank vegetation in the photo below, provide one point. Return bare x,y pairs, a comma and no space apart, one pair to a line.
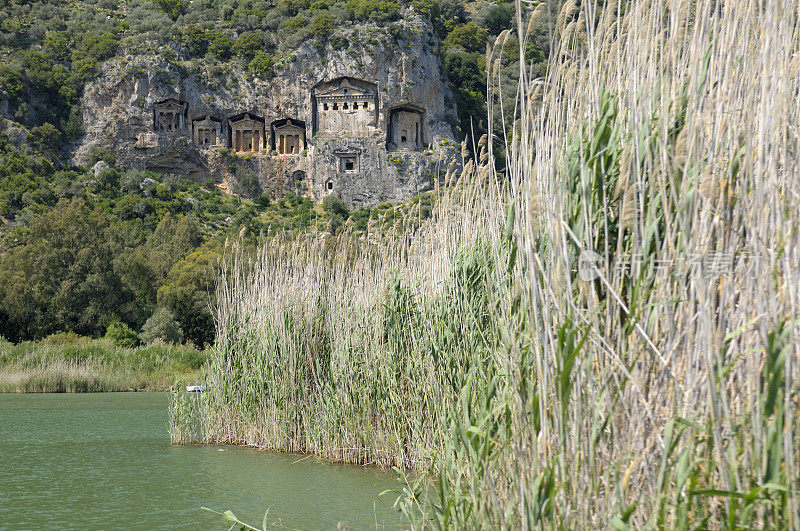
68,363
606,335
125,246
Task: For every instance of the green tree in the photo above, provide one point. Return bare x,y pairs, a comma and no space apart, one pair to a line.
101,47
13,83
174,237
187,291
291,8
161,325
62,277
334,205
295,23
378,10
107,183
470,37
499,18
196,40
121,334
46,138
140,274
221,45
172,8
58,44
466,73
248,44
321,25
427,8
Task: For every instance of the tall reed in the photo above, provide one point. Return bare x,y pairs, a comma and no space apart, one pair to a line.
605,336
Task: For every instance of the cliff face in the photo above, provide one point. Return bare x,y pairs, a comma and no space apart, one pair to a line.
369,122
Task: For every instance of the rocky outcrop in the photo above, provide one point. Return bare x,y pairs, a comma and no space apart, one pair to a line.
119,114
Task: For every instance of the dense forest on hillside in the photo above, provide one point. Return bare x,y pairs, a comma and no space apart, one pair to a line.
82,249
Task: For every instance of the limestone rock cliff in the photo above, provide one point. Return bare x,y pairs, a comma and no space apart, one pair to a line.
369,122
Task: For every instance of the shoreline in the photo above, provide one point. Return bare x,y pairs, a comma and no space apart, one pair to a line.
42,380
84,365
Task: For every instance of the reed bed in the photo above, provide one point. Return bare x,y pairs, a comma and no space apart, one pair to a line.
67,363
604,336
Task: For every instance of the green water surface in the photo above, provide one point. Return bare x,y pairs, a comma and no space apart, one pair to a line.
104,461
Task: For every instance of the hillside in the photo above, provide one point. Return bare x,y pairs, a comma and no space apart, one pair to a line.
95,231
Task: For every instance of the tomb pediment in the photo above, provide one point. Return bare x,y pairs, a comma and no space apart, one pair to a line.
207,122
345,88
246,120
351,93
289,129
288,125
170,104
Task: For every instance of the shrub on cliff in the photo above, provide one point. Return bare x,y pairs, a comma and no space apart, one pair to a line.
221,45
261,65
377,10
172,8
322,25
335,206
246,184
249,44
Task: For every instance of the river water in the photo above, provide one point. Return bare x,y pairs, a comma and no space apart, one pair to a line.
104,461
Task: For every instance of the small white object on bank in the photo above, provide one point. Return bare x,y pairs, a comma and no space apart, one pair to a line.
195,388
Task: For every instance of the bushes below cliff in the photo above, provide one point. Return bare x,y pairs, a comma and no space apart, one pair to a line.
82,252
